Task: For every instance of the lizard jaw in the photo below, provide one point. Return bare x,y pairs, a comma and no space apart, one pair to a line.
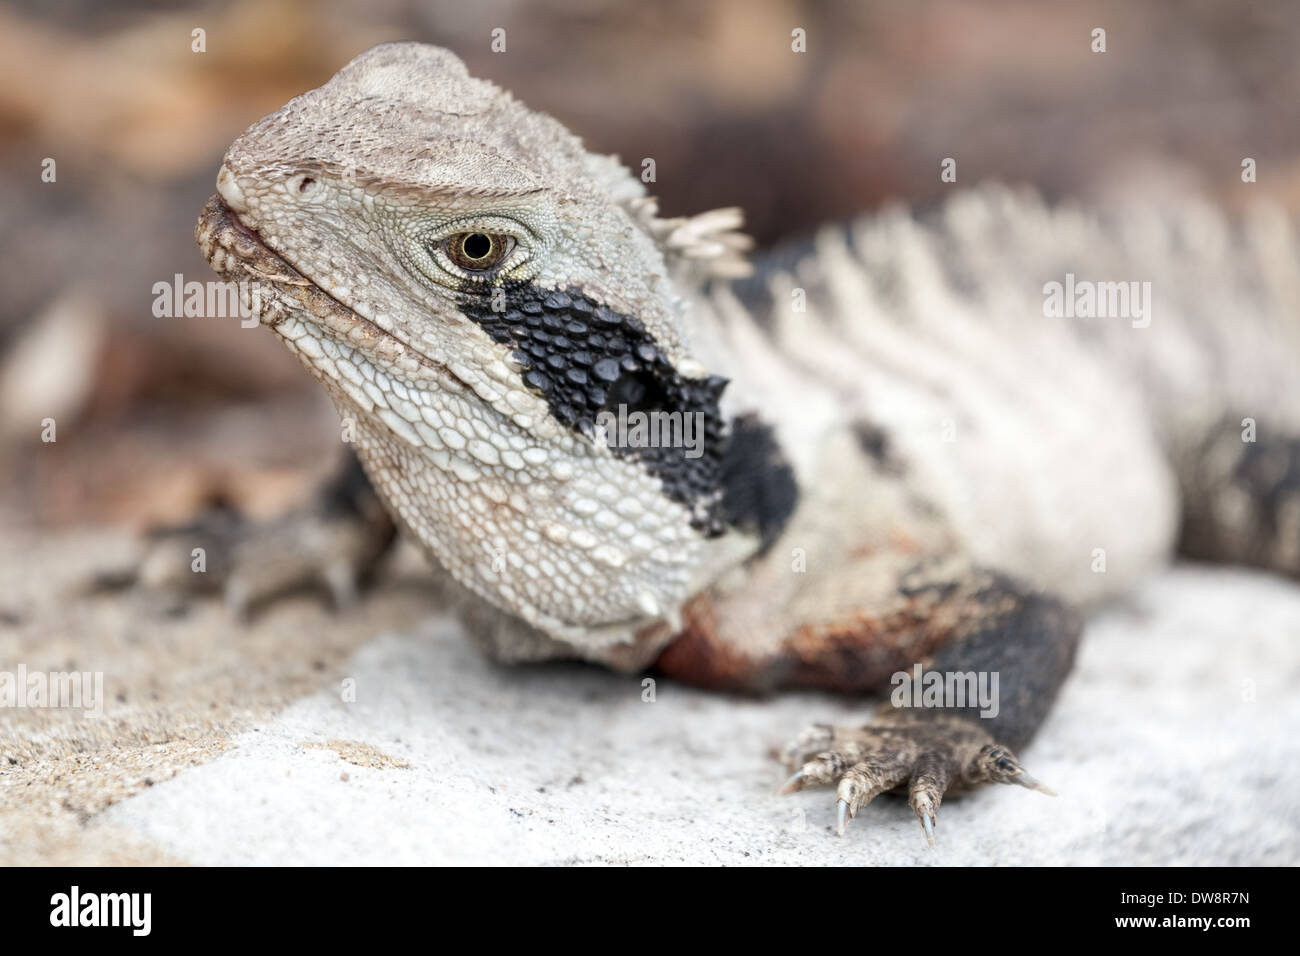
236,250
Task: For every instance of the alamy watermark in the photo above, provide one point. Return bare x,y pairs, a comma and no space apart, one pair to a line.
130,910
210,299
956,689
653,429
78,690
1086,299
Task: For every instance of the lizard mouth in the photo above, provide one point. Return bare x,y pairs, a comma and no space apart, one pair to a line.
227,243
236,250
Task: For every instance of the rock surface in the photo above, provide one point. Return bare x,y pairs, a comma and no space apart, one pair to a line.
1175,742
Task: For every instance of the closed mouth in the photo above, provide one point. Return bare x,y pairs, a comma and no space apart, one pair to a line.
229,244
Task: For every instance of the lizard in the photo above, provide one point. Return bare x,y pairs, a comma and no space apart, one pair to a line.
898,456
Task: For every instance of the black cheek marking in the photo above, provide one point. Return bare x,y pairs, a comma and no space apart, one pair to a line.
759,488
586,359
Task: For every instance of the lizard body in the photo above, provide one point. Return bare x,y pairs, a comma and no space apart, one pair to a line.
914,464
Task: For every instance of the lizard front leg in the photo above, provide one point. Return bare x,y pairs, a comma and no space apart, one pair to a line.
926,747
969,630
333,541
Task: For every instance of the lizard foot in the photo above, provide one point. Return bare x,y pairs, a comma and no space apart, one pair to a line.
332,542
903,752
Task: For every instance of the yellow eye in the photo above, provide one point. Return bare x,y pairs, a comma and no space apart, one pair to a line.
478,251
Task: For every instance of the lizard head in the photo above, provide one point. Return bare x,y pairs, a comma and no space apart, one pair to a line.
490,306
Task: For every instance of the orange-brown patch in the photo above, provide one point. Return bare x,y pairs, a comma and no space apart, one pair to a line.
860,652
699,655
856,652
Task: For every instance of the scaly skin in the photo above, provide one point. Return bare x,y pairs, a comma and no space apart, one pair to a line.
900,472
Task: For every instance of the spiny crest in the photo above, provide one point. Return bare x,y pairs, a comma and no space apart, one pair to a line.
708,244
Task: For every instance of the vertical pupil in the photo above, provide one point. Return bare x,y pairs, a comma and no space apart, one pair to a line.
476,246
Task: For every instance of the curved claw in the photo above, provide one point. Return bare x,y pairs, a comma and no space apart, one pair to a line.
842,816
793,785
927,822
1025,780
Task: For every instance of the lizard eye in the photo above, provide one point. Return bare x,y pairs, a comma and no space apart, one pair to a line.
478,251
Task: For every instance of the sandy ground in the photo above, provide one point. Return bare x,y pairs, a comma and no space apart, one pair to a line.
1176,742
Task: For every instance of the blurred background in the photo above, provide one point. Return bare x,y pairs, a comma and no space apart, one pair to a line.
157,417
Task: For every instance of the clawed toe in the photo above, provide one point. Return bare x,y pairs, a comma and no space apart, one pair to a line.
865,781
996,764
925,791
813,740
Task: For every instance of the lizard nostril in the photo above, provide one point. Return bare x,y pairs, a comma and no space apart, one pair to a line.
302,186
